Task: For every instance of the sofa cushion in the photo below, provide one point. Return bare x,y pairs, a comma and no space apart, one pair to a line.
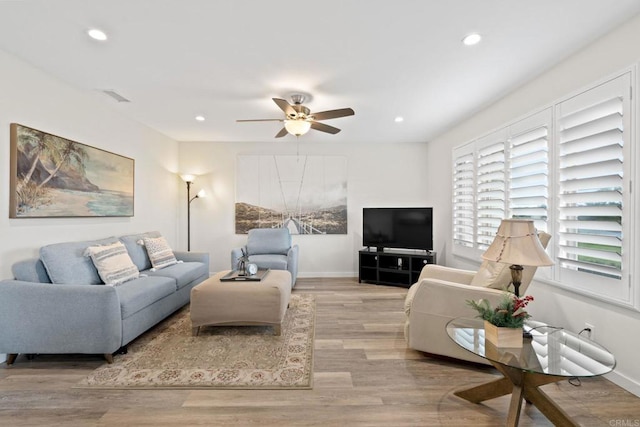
113,263
140,293
182,273
66,264
30,270
159,252
136,251
277,262
268,241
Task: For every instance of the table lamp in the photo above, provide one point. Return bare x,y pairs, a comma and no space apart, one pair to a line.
517,243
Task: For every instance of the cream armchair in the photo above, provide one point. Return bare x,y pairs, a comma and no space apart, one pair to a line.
440,295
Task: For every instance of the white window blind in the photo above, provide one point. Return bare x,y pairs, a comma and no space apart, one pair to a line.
591,175
593,137
529,169
490,189
463,198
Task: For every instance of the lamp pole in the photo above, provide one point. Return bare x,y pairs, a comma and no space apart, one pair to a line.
189,180
189,215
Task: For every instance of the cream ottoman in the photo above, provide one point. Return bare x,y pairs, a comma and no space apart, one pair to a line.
241,303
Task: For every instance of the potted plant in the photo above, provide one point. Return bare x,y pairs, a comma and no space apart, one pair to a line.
503,324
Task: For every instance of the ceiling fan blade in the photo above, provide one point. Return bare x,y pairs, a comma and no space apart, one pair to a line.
260,120
333,114
282,133
324,128
285,106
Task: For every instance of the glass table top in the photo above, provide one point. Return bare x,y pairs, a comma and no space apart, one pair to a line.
550,350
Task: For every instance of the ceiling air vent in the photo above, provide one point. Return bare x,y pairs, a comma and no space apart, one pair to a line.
115,95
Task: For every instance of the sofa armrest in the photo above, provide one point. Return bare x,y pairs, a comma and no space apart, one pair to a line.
449,274
292,263
185,256
431,304
48,318
445,298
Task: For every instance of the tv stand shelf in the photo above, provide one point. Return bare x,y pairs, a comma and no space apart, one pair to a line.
393,267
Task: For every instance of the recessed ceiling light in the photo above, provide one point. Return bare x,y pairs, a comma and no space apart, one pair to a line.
96,34
200,118
472,39
399,119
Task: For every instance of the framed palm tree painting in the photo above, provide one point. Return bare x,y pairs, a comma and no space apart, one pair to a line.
53,176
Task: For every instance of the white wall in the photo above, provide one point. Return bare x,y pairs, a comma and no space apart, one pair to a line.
378,175
31,98
615,328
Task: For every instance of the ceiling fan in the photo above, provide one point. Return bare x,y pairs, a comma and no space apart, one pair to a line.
298,118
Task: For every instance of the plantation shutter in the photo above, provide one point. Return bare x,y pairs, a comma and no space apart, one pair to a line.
592,134
490,190
463,197
529,169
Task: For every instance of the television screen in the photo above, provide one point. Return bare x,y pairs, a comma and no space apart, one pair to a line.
402,228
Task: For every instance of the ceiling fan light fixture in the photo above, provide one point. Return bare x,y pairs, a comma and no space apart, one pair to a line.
297,127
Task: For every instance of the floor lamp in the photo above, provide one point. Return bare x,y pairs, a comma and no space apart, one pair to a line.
517,243
189,180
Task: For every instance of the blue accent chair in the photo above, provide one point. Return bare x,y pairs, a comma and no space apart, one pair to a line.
269,248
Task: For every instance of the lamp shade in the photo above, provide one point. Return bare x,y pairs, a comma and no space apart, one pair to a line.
297,127
517,242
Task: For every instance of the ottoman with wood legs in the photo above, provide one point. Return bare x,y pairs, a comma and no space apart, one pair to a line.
263,302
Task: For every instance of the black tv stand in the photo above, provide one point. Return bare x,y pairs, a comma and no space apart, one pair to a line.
392,267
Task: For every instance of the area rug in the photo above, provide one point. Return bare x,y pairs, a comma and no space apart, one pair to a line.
225,357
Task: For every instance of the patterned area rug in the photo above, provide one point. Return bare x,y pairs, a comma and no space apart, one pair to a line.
228,357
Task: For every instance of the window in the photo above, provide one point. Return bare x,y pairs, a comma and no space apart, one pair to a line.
511,171
529,169
568,169
490,187
463,199
593,156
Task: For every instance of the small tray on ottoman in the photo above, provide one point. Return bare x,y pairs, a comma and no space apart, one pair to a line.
234,276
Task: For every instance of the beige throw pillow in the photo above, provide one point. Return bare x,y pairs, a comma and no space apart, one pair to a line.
113,263
159,252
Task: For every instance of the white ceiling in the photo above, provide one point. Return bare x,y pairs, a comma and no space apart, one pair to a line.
226,59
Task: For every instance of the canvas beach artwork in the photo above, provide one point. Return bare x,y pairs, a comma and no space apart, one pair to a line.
306,194
53,176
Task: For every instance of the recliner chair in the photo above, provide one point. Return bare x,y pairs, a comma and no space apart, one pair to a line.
440,295
269,248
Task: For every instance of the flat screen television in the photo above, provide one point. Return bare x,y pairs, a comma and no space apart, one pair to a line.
402,228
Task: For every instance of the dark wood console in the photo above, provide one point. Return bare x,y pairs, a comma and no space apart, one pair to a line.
393,267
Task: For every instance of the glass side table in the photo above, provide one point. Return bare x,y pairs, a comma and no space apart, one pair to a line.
549,356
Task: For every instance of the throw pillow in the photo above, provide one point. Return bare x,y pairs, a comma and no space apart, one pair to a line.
113,263
159,252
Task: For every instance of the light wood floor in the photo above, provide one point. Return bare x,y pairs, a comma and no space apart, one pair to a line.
364,376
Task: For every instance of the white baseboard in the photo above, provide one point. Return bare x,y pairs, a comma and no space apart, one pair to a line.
625,382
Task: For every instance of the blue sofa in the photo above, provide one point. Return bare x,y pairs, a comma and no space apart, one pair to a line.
58,304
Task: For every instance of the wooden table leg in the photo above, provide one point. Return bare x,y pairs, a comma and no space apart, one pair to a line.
541,401
521,385
515,406
490,390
